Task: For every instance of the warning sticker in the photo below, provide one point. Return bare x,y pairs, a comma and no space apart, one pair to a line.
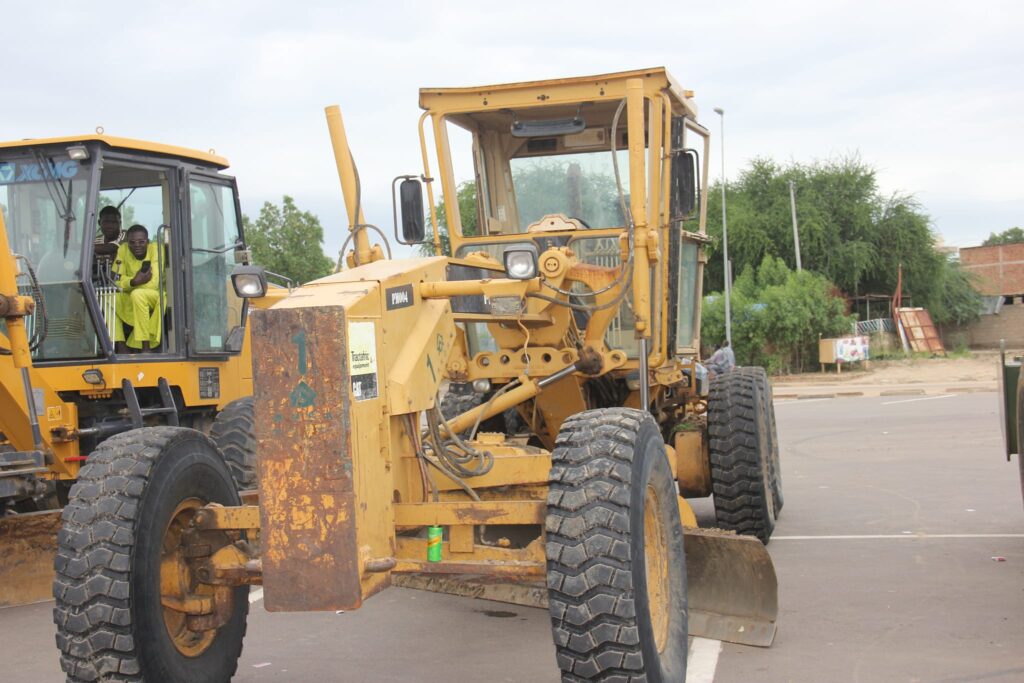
362,360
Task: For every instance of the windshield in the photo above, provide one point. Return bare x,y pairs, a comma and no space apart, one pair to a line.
43,197
580,186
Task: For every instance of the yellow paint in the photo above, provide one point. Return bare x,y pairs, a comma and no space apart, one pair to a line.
114,142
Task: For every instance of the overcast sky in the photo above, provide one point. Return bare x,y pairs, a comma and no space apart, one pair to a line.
929,93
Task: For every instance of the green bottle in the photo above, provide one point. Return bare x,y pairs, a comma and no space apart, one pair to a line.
434,534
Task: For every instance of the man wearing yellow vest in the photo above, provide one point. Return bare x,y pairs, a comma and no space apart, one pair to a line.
137,273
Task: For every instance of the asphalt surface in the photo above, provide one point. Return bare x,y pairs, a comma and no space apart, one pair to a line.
895,509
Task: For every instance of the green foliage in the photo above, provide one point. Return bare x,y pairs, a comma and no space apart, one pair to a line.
849,233
1010,236
777,316
955,299
466,198
287,241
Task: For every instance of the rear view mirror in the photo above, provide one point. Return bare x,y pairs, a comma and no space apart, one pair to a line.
410,194
684,183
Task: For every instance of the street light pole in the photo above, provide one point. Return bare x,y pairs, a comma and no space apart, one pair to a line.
796,233
725,240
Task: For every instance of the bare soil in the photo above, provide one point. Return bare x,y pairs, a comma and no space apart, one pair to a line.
980,366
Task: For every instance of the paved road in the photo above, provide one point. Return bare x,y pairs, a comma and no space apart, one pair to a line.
914,596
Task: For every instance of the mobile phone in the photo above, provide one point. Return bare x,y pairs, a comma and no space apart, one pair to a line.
146,265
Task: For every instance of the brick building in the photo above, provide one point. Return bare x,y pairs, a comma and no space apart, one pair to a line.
999,270
999,276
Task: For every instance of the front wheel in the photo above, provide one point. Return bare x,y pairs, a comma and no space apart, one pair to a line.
129,606
740,456
616,569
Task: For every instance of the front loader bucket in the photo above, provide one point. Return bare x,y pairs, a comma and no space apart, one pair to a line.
28,544
732,591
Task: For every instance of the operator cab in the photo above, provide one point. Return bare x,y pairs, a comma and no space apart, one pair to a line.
548,165
53,193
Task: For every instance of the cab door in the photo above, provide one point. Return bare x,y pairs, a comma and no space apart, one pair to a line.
215,314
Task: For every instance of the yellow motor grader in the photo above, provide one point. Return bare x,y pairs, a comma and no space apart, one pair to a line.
563,314
69,376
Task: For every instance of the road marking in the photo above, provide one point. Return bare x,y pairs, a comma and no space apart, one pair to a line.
911,400
255,595
858,537
802,401
702,660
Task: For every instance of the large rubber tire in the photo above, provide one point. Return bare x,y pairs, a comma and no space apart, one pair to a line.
775,461
740,456
110,621
234,432
616,568
461,397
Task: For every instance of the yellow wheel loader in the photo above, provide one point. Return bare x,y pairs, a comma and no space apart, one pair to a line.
568,302
73,372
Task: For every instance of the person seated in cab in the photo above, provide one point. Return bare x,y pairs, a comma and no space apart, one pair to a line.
137,273
109,239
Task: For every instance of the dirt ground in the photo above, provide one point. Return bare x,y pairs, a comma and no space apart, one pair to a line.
978,367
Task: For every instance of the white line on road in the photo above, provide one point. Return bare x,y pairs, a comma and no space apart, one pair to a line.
702,660
858,537
256,595
911,400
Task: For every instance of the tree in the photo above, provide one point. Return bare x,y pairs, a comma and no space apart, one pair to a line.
466,198
288,242
1009,236
777,316
849,233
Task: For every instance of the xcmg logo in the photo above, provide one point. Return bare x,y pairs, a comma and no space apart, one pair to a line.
28,173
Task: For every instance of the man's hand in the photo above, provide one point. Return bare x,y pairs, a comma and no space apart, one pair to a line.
141,278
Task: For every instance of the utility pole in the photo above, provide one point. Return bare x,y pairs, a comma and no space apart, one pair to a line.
725,240
796,232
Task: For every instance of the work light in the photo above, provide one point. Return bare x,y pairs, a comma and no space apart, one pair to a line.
521,262
250,282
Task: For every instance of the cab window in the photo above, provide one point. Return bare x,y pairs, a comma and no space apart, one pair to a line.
216,236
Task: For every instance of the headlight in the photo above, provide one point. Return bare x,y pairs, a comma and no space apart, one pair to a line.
250,282
521,262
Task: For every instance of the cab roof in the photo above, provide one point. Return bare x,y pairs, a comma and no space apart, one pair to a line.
554,91
113,142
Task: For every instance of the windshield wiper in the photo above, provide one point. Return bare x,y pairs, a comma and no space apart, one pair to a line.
59,195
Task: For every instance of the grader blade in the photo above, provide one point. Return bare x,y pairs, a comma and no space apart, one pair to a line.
732,591
28,544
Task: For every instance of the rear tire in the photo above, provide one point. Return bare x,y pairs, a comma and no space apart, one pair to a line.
135,492
740,456
616,569
775,461
234,432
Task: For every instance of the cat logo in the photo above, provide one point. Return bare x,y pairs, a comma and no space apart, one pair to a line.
399,297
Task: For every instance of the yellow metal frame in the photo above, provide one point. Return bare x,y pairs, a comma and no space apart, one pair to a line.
396,489
58,419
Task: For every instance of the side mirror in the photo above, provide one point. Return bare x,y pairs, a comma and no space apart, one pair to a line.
684,184
410,194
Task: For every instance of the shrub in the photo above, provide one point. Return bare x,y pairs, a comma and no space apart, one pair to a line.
777,317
